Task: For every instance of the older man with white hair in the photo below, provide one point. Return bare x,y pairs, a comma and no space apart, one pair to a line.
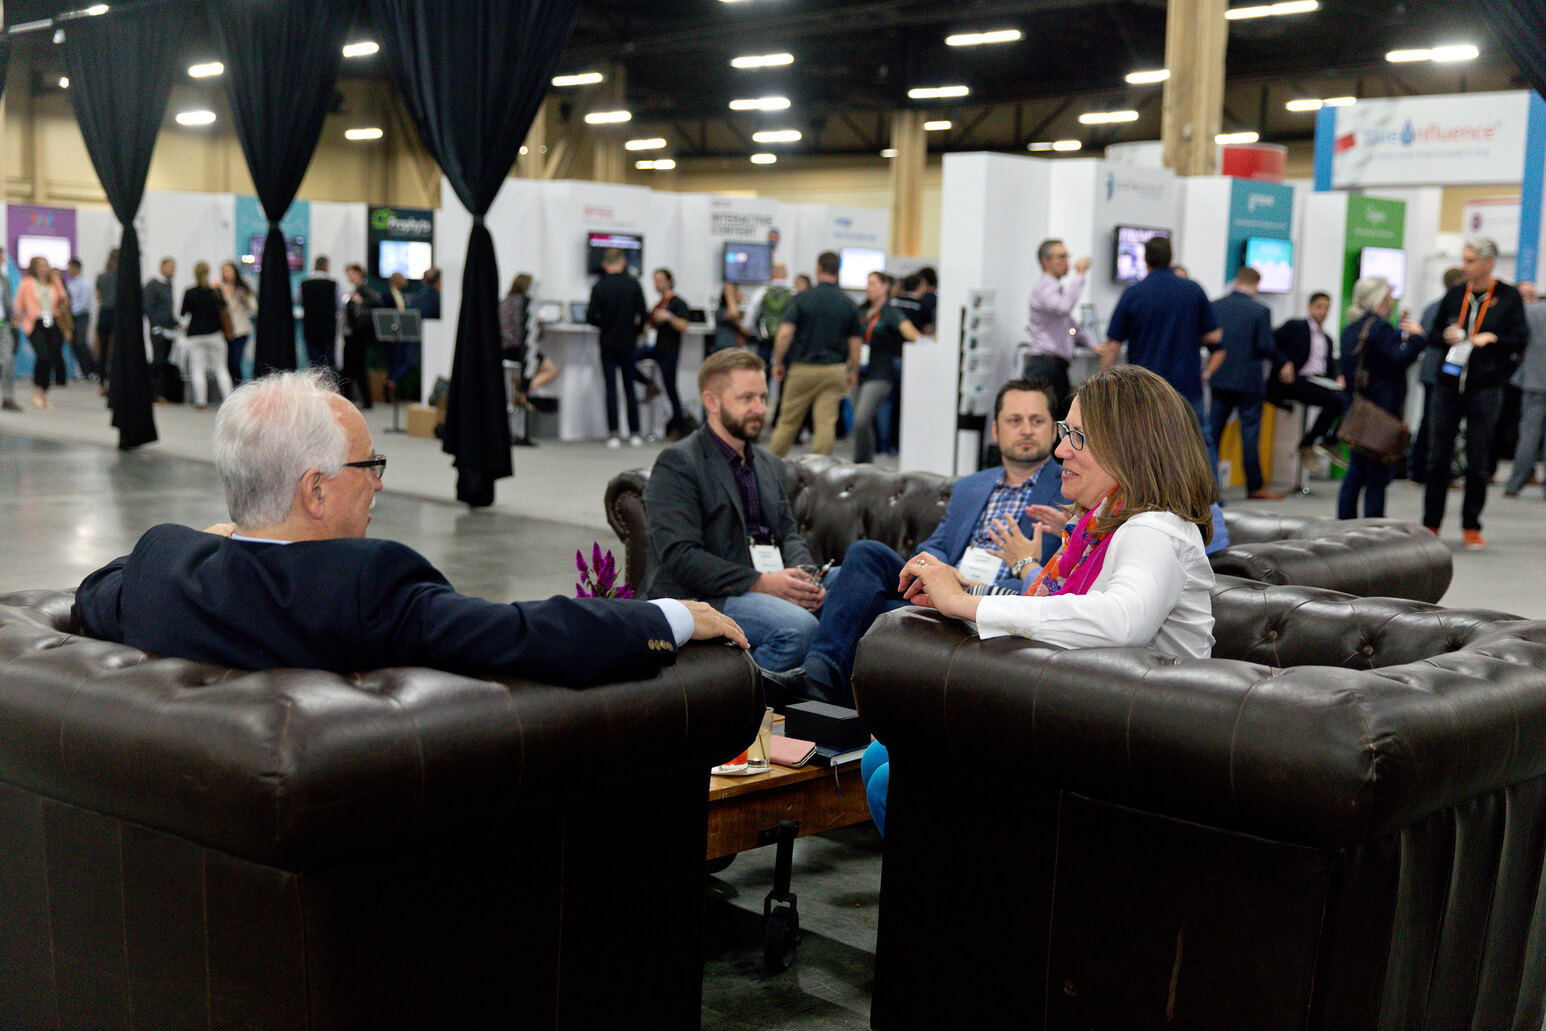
294,582
1481,330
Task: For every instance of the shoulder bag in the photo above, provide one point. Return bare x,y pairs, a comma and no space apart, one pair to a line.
1366,427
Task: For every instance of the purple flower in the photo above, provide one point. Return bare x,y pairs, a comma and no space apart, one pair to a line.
579,561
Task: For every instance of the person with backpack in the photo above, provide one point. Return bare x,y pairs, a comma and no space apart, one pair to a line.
765,310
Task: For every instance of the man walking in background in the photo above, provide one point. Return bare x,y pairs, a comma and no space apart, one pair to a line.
165,380
79,289
618,310
319,315
820,338
1238,385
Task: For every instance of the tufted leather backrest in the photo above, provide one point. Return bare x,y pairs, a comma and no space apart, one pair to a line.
299,767
836,503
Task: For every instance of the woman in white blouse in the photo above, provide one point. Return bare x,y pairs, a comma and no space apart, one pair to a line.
1132,569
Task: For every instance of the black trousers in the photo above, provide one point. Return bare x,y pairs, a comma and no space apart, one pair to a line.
165,380
666,359
1417,467
615,364
1313,394
80,344
1052,370
319,350
356,377
48,352
105,319
1480,410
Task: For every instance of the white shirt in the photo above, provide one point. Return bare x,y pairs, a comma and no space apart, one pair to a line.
1153,589
1320,350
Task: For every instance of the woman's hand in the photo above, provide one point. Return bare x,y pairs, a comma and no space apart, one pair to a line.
1052,518
925,580
1012,545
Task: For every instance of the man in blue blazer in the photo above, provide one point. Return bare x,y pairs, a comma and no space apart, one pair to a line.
293,581
1238,382
978,519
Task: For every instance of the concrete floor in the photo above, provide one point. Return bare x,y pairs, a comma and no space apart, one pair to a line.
70,501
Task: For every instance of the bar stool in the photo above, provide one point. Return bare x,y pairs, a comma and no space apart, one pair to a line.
519,415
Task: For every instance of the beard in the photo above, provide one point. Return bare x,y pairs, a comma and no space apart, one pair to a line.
747,429
1028,452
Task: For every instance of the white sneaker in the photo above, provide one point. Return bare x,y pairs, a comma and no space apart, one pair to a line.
614,442
635,441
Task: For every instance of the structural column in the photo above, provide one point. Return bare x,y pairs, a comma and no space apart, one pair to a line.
1196,34
907,167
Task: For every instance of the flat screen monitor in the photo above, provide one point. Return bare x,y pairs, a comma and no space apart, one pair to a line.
1127,264
748,263
855,265
578,311
410,257
550,311
1384,261
1274,259
631,244
55,248
295,252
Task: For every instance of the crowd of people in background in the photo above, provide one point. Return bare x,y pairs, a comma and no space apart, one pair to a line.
64,314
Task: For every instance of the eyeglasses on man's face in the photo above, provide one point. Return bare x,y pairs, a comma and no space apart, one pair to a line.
376,463
1074,437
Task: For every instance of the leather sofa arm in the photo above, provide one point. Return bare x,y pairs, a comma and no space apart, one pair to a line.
1318,755
624,502
1363,557
299,768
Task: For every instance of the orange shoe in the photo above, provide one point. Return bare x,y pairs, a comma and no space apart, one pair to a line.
1432,529
1473,540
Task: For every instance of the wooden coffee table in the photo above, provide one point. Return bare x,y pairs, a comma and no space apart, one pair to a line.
774,808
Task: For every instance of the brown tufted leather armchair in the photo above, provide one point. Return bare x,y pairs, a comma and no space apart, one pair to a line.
1337,823
837,503
183,845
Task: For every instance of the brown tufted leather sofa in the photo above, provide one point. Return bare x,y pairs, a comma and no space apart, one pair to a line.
183,845
1338,823
837,503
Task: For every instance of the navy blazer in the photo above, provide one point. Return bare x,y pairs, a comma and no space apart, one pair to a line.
698,542
1247,342
1386,357
968,501
353,604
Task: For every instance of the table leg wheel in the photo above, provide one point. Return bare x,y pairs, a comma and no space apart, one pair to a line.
781,933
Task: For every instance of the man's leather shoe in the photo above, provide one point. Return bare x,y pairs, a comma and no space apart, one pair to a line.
1265,495
780,689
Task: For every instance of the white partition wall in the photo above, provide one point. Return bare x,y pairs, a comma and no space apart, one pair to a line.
186,227
338,231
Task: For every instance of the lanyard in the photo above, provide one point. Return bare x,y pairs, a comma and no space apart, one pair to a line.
1465,306
869,327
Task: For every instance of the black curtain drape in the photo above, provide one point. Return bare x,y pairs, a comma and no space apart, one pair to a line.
1520,25
121,69
474,73
281,63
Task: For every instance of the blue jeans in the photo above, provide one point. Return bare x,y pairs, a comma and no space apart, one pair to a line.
780,631
864,588
1370,476
1208,438
1225,403
875,771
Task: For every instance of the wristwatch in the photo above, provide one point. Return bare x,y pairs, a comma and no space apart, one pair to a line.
1019,567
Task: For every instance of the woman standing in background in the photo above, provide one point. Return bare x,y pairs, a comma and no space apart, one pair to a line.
205,339
41,307
240,306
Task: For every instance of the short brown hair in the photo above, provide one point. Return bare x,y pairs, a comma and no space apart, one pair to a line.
827,263
721,364
1146,435
1247,276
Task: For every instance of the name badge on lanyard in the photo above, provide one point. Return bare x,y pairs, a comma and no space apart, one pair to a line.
979,566
766,558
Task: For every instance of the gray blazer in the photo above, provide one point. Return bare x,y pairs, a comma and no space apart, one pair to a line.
698,543
1531,374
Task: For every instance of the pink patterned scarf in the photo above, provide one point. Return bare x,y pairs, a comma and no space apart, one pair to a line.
1084,557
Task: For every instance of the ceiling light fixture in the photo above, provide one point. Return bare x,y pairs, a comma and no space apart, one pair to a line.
195,117
1063,146
607,117
364,48
889,152
64,82
977,39
1452,52
1148,78
939,125
580,79
657,165
654,143
361,135
1107,117
764,159
96,9
762,61
1226,138
206,70
1272,10
936,92
777,136
760,104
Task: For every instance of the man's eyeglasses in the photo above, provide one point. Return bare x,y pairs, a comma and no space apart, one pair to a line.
1075,437
375,463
